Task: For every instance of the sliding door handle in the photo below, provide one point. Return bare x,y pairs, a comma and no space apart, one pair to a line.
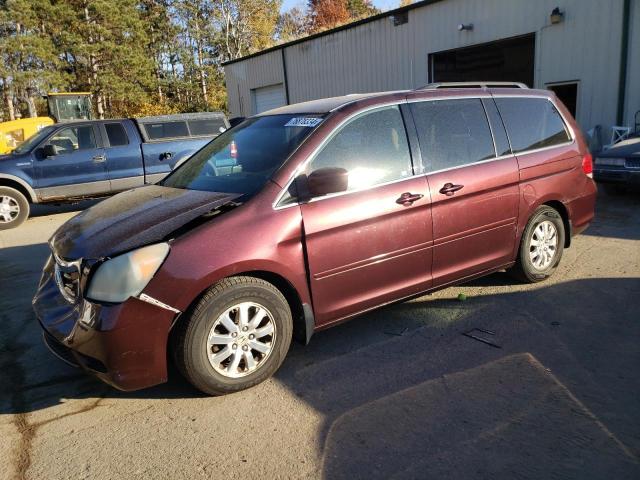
407,198
449,189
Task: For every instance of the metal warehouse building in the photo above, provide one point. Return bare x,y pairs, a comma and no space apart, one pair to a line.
588,51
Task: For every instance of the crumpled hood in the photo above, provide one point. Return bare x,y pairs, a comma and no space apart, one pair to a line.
132,219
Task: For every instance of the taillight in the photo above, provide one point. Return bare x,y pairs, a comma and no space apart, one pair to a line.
234,150
587,165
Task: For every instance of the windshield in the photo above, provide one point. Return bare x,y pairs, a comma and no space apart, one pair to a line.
242,159
33,140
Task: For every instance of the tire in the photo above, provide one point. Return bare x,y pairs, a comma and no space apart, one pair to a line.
535,265
202,338
14,208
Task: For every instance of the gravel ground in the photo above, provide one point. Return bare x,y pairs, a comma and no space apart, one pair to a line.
397,393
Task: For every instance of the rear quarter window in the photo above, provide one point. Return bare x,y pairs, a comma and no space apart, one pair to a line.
160,130
207,126
532,123
116,134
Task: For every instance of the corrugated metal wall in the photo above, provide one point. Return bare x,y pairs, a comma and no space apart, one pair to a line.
633,74
244,76
379,56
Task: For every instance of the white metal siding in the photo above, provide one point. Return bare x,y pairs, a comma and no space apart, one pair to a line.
378,56
266,98
633,72
242,77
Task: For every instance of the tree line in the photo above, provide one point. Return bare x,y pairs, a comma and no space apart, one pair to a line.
143,57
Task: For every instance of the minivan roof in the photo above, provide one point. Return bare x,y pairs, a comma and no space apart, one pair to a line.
326,105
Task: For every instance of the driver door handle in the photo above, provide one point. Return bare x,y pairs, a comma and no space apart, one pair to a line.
407,198
449,189
99,159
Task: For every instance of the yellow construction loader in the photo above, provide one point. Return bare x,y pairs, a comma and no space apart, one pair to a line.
62,107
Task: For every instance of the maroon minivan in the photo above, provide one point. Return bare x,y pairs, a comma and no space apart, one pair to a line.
304,216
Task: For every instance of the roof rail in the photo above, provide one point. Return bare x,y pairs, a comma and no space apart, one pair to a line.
434,86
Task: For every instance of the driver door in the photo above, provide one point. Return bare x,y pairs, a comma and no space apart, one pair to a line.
370,244
79,167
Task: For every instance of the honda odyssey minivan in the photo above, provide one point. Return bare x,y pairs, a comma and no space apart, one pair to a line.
305,216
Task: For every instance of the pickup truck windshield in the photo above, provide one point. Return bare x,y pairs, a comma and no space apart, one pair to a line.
33,140
242,159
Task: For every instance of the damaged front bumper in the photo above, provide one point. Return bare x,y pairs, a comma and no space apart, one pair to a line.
124,344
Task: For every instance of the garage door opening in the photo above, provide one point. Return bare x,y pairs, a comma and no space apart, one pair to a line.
567,92
509,60
266,98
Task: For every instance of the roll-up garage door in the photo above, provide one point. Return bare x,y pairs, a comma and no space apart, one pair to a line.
510,60
266,98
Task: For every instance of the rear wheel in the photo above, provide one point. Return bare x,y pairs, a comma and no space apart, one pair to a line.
14,208
541,246
235,337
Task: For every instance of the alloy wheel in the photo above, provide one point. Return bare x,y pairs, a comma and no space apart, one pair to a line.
543,245
241,339
9,209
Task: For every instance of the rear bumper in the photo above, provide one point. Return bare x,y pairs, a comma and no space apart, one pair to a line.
616,175
125,345
582,209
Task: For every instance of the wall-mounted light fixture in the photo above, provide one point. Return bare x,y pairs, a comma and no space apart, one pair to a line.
556,16
465,26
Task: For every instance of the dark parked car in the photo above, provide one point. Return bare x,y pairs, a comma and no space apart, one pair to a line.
619,166
302,217
95,158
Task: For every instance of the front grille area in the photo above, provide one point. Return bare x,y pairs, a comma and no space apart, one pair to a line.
633,163
67,276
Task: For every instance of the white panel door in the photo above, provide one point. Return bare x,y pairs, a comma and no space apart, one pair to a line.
266,98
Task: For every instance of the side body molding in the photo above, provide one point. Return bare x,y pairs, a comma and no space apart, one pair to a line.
32,194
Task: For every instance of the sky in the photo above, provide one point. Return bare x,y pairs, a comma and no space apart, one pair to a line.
381,4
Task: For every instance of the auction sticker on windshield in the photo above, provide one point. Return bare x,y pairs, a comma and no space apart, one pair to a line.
303,122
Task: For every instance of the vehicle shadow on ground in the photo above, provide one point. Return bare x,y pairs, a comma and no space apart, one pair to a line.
403,392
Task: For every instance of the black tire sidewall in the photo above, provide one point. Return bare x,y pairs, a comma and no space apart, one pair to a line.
200,371
542,214
24,207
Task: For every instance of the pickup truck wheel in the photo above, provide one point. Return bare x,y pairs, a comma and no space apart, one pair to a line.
235,337
14,208
541,246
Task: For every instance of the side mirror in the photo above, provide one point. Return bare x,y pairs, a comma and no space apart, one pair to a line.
49,151
327,180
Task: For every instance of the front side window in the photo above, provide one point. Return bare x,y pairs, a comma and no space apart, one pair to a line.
242,159
452,133
532,123
71,139
372,148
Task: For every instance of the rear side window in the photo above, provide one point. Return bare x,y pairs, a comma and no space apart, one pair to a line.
532,123
207,126
116,134
452,133
372,147
158,130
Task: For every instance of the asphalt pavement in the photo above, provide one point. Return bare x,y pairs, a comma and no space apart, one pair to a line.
397,393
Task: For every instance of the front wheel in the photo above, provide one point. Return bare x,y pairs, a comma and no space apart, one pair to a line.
14,208
235,337
541,246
